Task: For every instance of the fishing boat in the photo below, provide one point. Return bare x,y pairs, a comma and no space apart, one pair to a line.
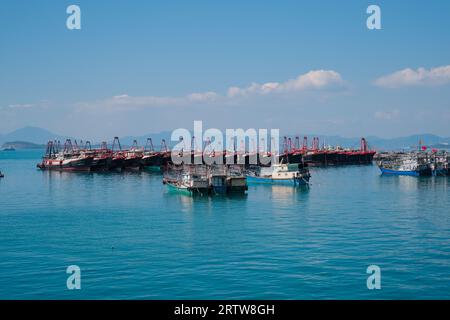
282,173
217,177
67,162
236,180
439,163
101,158
70,159
133,157
150,157
187,179
407,165
132,160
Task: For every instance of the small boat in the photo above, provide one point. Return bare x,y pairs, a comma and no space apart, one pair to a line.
283,173
187,179
2,175
9,148
190,184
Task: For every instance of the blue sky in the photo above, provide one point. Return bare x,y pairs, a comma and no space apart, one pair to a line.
138,67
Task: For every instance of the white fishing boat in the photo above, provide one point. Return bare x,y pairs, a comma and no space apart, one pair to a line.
283,173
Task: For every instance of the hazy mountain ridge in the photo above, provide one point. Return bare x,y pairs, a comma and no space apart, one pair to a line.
31,134
42,136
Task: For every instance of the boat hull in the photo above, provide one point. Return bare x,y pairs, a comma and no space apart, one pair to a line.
63,165
151,161
402,172
186,190
289,182
132,163
101,164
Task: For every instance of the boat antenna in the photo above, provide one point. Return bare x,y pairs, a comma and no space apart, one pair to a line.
135,145
118,143
297,143
163,145
305,143
149,145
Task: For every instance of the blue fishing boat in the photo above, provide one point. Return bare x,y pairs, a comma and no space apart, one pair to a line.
407,165
285,174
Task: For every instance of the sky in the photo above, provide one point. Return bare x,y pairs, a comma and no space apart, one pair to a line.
138,67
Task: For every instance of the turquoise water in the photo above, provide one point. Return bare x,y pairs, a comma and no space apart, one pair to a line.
133,239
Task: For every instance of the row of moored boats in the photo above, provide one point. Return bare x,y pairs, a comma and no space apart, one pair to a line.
72,157
189,178
227,179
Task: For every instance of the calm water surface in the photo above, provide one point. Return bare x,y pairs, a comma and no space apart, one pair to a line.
133,239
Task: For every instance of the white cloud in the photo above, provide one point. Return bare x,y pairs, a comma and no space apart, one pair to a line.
316,79
21,106
203,97
387,115
313,80
26,106
410,77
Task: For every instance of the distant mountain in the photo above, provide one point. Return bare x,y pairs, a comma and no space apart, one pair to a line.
41,136
31,134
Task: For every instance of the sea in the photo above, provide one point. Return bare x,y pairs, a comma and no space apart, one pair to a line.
133,239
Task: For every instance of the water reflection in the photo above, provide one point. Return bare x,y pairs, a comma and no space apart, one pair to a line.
408,183
191,202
